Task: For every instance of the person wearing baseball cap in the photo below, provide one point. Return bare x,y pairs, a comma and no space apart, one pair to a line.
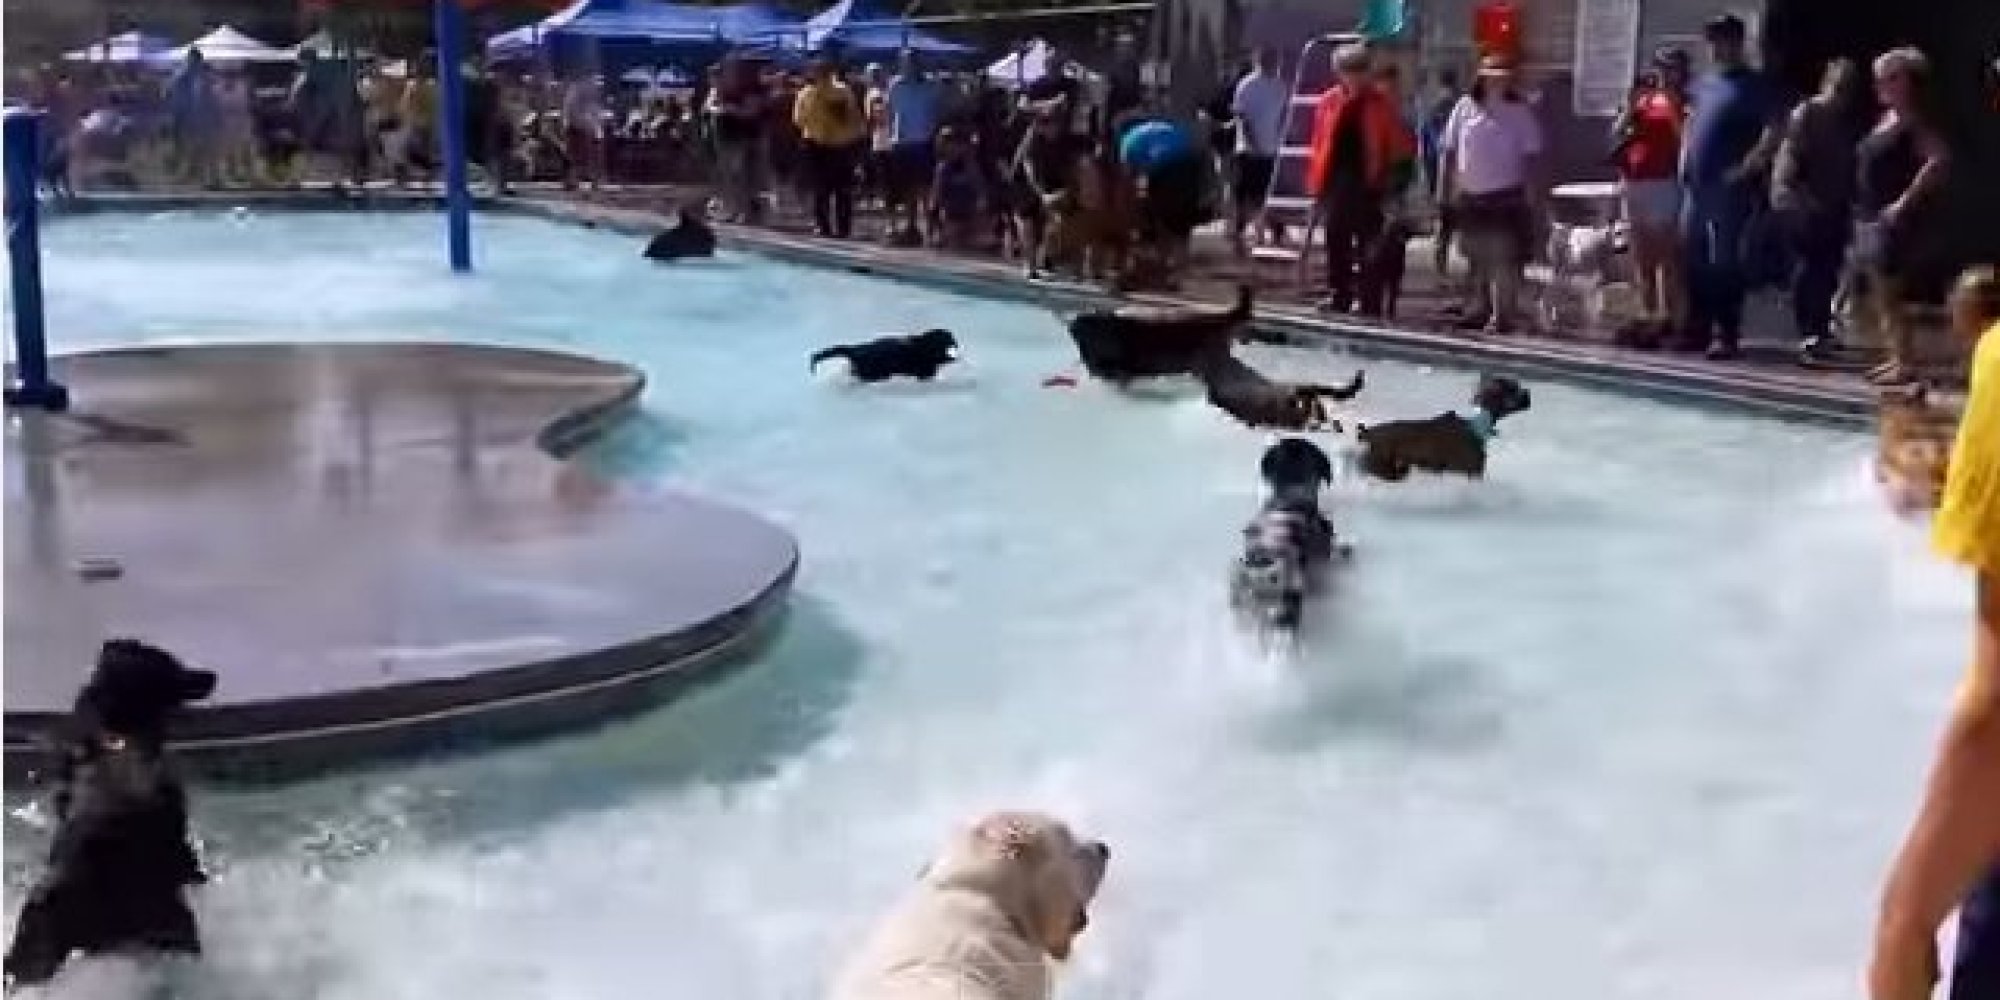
1734,127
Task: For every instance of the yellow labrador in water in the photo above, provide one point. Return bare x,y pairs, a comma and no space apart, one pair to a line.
985,917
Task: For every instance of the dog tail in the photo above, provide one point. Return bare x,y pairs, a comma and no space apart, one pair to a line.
831,352
1341,394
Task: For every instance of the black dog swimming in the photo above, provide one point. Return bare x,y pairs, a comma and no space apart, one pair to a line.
1448,442
691,238
121,861
920,356
1290,541
1119,345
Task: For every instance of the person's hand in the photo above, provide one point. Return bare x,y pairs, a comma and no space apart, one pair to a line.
1904,966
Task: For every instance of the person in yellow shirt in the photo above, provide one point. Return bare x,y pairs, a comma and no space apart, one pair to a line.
830,126
1951,856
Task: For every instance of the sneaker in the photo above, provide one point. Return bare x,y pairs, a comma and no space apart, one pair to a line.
1722,350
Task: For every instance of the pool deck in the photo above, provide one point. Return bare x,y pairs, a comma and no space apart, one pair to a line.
375,546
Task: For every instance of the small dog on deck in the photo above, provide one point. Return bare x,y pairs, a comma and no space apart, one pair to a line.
1583,262
121,861
1248,395
1094,231
1290,541
920,356
692,237
1448,442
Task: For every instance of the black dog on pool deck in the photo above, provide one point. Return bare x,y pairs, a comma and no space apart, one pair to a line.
121,859
920,356
1290,541
691,238
1123,344
1448,442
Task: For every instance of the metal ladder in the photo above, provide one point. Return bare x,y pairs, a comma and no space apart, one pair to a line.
1288,201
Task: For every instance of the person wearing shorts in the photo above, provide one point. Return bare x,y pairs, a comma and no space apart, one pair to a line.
1648,156
915,105
1258,107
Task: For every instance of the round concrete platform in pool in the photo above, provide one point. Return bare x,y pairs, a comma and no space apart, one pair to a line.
372,544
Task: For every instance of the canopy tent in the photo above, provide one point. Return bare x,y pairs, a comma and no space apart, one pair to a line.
851,27
1022,66
628,31
322,43
227,45
126,47
661,76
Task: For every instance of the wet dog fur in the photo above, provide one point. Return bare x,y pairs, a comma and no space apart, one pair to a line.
1444,443
919,356
120,863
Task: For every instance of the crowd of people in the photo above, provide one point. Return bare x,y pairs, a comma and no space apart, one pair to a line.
1724,181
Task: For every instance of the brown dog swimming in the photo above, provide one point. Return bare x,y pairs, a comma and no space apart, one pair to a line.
1448,442
1119,345
1248,395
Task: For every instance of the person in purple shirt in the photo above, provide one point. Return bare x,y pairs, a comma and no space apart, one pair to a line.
1734,128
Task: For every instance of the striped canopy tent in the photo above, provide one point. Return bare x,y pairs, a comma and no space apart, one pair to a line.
125,47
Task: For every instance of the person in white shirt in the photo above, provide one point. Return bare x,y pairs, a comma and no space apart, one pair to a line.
1259,108
1490,147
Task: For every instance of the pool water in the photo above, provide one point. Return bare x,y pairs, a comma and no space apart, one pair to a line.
1641,716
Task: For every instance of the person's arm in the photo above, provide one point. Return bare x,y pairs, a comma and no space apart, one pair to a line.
1928,176
1026,158
802,109
1956,837
1785,190
1766,149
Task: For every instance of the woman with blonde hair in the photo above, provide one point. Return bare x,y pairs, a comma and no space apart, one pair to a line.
1901,166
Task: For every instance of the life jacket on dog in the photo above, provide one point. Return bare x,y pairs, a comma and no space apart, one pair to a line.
1386,142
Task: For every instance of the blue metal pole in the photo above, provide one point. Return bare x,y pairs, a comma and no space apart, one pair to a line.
450,29
21,137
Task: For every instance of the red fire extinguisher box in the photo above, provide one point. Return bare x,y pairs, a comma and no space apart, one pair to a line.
1496,29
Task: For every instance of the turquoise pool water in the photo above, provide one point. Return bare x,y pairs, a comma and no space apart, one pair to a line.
1640,717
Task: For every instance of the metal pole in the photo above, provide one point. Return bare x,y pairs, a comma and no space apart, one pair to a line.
21,136
450,31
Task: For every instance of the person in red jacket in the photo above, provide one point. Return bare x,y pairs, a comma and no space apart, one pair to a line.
1360,145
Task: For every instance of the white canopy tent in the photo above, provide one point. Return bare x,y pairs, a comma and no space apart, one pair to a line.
227,45
125,47
1022,66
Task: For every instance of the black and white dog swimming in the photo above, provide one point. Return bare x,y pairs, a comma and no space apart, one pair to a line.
1449,442
691,238
1288,544
121,861
920,356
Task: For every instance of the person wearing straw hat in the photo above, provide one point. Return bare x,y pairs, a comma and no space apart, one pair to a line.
1491,145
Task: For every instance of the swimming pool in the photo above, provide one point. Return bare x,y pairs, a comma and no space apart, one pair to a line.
1640,717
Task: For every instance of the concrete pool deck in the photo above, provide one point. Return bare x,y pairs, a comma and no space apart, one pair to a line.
375,545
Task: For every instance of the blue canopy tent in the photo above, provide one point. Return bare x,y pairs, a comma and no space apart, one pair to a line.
850,26
612,34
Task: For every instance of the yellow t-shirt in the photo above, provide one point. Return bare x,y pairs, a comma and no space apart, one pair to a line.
826,114
1967,529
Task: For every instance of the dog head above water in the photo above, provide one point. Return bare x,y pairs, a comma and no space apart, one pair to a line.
1500,396
1033,868
939,344
1295,461
137,687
